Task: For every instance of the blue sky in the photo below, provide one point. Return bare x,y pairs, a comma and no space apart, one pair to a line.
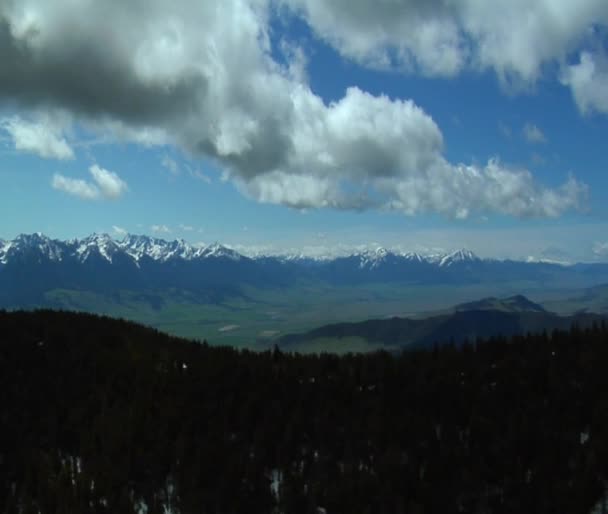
304,125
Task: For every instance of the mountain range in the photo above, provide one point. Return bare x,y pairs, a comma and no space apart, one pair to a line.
32,264
141,247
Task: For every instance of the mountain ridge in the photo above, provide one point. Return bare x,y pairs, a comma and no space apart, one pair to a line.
138,246
486,318
31,265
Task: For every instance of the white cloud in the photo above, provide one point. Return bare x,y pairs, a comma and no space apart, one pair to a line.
515,38
160,229
42,137
170,165
186,228
458,191
199,175
106,184
110,185
600,249
533,134
75,187
119,231
201,76
588,80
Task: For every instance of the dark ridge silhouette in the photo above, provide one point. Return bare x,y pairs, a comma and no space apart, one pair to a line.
485,318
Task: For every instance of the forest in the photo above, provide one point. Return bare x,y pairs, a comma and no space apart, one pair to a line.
101,415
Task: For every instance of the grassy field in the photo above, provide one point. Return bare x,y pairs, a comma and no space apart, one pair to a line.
260,315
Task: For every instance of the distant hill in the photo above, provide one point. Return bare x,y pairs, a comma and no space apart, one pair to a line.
517,303
485,318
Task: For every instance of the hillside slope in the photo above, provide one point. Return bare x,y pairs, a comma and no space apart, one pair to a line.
485,318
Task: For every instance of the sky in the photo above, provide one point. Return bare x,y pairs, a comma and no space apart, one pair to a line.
309,125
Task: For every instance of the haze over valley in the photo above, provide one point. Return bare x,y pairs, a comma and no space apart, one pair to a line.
215,293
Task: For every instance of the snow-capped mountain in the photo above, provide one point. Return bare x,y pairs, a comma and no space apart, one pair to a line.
96,246
374,258
459,256
138,247
135,248
31,265
33,247
218,251
106,248
413,257
163,251
4,248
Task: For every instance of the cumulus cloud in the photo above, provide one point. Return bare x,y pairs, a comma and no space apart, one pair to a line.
170,165
160,229
533,134
201,76
515,38
458,191
43,137
600,249
109,183
75,187
105,184
588,80
119,231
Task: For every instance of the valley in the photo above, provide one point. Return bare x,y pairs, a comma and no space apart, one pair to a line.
215,294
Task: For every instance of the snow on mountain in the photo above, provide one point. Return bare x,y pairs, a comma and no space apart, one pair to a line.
159,250
96,244
52,249
458,256
373,258
162,251
180,249
218,251
138,246
302,258
413,257
5,246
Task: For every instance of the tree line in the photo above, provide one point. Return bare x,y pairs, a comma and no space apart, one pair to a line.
105,416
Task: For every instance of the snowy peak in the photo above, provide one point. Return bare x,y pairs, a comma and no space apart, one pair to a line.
218,251
156,249
373,258
137,247
180,249
4,248
104,247
140,246
413,257
163,251
36,243
97,245
459,256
